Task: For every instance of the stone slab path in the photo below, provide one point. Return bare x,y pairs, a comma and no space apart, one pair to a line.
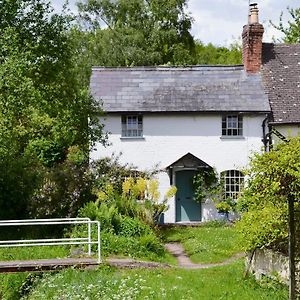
184,261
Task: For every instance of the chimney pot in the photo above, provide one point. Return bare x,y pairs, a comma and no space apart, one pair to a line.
253,14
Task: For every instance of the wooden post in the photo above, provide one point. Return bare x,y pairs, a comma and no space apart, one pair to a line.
292,246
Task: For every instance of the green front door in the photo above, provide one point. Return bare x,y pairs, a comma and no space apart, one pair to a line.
187,209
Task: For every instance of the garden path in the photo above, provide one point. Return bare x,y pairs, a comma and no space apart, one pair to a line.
175,249
184,261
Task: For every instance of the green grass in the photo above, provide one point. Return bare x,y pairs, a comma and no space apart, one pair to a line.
206,244
107,283
30,253
210,243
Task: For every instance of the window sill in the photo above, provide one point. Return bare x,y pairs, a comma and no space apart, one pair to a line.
233,137
126,138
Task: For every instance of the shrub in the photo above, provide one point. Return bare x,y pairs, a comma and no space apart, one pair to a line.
132,227
120,234
108,215
264,227
146,246
273,177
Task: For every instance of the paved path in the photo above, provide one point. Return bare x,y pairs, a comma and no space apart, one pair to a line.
184,261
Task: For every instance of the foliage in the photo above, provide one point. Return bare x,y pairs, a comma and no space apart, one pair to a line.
138,200
120,234
110,171
62,192
213,55
206,184
10,285
44,107
141,32
292,31
264,228
272,178
226,205
127,219
144,247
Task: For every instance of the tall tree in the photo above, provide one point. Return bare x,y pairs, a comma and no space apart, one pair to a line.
213,55
140,32
44,107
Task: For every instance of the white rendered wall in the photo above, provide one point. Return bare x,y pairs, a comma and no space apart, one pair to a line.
288,131
169,137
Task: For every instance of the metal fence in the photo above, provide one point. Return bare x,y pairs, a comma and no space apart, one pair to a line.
54,241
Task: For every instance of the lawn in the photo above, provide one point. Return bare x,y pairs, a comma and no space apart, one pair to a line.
31,253
108,283
206,244
209,243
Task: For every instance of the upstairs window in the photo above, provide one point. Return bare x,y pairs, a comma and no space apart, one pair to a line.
233,183
232,125
132,126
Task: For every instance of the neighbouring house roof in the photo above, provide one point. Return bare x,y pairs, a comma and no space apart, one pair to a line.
281,78
179,89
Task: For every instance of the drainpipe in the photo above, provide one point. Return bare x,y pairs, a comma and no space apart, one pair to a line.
266,136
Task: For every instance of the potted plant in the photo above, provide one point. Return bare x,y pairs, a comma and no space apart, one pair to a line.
224,207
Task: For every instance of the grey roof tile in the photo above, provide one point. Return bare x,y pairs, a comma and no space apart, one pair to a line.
179,89
281,78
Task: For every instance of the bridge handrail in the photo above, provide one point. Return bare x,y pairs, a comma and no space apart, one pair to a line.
55,241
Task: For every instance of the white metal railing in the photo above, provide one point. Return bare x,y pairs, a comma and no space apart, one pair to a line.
55,241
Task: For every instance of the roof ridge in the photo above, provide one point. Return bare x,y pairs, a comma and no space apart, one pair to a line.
172,68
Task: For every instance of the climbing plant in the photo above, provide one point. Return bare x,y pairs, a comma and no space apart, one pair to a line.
206,185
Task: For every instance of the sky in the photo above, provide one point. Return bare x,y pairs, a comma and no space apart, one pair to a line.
220,22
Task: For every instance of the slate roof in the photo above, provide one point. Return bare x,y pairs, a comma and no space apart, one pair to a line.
189,161
178,89
281,77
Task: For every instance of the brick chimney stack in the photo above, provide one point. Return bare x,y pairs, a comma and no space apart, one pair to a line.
252,41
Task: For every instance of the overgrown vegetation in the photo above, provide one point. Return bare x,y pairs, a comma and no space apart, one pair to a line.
106,283
273,177
48,120
128,210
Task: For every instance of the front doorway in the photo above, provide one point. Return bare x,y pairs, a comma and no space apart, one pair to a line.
187,209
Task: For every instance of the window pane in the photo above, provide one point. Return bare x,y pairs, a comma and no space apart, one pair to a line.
232,125
233,181
132,126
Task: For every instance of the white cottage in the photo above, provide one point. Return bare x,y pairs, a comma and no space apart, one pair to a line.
185,118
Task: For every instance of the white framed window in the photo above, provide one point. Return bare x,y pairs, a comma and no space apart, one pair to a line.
132,126
232,125
233,181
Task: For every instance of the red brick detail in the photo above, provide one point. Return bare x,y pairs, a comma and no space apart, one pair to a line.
252,47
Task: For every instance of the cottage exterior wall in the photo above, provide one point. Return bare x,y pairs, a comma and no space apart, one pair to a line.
291,130
167,137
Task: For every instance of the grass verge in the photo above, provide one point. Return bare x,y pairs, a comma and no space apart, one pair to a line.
209,243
